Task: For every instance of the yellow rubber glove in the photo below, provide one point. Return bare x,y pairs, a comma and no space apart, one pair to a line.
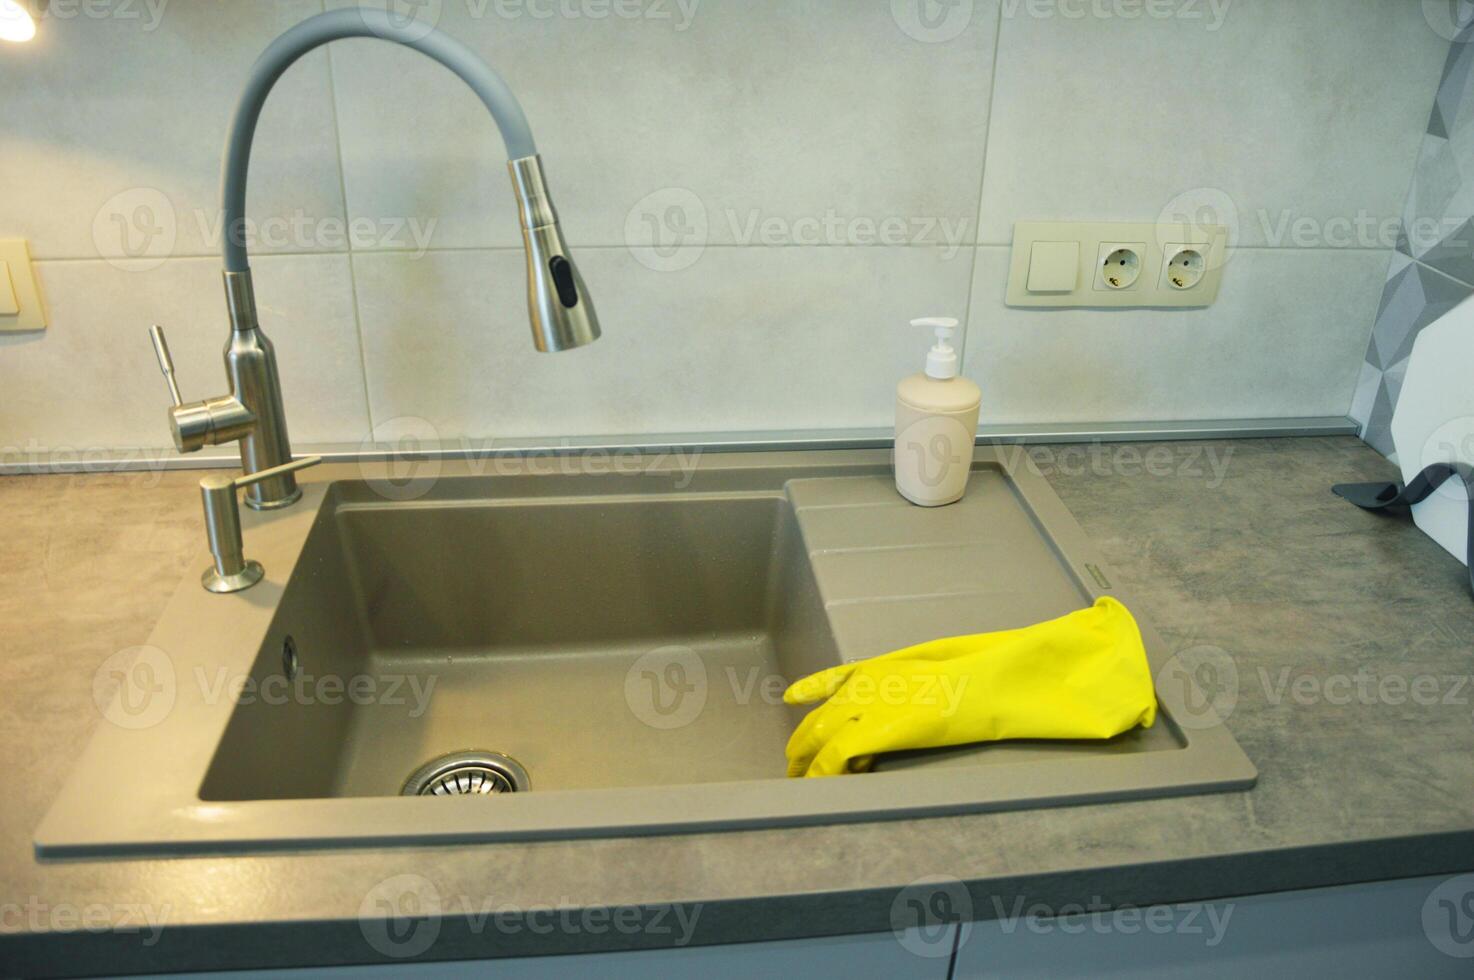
1084,675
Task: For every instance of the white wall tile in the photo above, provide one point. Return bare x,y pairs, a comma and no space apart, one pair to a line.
768,108
797,122
122,118
1310,109
90,381
1284,339
747,338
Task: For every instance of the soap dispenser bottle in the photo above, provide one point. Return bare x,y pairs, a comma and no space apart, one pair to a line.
936,424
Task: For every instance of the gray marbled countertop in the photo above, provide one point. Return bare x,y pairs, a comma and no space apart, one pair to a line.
1352,637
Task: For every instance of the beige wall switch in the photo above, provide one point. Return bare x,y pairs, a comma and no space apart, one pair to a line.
20,298
8,305
1116,264
1054,267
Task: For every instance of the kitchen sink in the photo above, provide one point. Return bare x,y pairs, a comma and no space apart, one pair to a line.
591,646
570,634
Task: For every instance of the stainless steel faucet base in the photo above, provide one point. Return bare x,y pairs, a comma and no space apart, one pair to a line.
251,414
278,503
243,579
250,363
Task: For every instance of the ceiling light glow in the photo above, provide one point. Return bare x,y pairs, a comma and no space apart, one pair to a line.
16,23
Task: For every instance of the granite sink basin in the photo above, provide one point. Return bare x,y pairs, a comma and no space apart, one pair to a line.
598,642
576,651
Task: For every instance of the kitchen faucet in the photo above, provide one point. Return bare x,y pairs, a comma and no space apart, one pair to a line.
559,308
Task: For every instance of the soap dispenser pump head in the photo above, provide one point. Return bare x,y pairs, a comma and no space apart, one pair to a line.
941,360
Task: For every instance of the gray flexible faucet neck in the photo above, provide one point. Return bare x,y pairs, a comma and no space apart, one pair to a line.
332,26
559,310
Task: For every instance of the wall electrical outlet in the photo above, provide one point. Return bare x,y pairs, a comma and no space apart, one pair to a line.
1116,264
1183,266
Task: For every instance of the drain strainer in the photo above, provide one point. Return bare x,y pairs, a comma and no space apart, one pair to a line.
468,774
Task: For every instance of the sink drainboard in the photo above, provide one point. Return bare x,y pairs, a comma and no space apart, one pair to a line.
621,635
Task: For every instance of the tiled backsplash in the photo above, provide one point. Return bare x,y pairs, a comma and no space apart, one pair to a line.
1432,267
760,193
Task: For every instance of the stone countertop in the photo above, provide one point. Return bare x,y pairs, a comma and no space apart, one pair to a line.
1351,636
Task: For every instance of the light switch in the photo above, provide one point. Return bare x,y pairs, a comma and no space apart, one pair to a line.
20,298
8,305
1054,267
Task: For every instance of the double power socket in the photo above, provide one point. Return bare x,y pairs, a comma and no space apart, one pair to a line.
1116,264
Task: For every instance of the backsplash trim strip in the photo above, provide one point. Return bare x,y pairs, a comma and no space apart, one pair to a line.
156,459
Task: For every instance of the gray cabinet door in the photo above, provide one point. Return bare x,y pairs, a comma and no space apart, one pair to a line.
1415,927
914,955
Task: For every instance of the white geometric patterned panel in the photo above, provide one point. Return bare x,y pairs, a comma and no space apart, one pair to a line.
1432,267
1434,422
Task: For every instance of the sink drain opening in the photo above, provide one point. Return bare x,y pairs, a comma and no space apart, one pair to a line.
468,774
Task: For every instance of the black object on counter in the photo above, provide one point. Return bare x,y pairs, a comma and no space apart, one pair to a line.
1384,496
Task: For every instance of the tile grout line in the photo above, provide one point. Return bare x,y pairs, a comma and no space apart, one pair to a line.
368,402
972,277
122,261
1288,249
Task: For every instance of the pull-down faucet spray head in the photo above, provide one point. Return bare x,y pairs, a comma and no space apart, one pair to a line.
558,305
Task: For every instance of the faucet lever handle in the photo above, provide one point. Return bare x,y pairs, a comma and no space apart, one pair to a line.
282,470
203,423
166,363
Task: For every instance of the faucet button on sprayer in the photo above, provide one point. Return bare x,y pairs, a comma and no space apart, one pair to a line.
562,271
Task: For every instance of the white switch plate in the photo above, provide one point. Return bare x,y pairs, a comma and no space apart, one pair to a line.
1151,286
32,313
8,304
1054,267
